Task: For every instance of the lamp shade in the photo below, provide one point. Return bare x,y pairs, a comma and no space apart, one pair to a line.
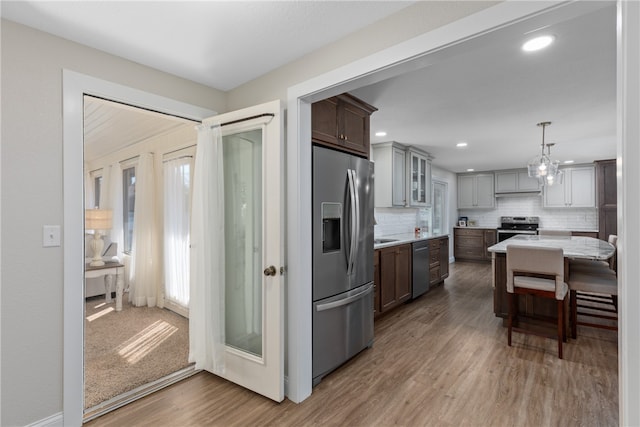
98,219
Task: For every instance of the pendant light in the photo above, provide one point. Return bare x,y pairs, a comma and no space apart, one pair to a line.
542,167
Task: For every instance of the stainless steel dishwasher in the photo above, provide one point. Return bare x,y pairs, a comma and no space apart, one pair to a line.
420,268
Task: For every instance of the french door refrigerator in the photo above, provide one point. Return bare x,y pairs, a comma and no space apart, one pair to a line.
342,258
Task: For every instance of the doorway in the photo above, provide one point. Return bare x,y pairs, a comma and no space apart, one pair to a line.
135,160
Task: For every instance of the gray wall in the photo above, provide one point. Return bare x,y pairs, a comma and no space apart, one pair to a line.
32,279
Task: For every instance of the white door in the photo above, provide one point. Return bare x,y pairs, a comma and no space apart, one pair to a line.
254,292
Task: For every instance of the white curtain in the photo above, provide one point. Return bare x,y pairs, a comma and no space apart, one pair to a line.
104,201
89,191
177,208
143,284
207,298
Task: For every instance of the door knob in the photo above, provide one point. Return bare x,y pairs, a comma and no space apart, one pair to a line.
270,271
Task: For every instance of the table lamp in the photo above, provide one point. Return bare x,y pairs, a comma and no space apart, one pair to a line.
97,220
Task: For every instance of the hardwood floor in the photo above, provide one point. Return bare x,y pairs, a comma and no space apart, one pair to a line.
441,360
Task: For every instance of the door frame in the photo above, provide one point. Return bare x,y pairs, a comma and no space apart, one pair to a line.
400,58
75,86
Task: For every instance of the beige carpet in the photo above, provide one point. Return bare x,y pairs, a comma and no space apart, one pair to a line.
130,348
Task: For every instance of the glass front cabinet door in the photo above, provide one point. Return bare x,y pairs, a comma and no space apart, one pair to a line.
419,179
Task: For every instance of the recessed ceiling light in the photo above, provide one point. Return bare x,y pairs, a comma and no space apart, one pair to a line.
537,43
382,133
461,144
470,170
566,162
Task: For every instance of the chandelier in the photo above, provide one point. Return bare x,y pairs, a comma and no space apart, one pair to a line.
542,167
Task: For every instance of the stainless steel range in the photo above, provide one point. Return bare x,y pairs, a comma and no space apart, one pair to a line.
514,225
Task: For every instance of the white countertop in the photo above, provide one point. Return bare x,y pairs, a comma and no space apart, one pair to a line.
584,230
573,247
402,238
476,227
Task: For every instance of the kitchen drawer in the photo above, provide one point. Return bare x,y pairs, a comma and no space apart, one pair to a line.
434,245
434,258
470,241
468,232
434,274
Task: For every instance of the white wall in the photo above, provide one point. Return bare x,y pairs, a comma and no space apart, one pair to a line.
32,278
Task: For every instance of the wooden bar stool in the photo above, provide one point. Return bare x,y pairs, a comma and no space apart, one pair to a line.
536,271
593,294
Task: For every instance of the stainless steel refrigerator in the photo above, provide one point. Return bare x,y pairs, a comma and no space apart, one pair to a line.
342,258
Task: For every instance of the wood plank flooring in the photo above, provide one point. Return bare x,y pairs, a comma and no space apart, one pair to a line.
441,360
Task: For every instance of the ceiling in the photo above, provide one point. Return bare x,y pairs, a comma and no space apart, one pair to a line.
489,93
221,44
110,126
484,91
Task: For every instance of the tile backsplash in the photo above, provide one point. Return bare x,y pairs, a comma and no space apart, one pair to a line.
404,220
400,220
565,218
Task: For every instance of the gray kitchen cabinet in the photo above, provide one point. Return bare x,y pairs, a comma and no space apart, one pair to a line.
419,178
403,175
576,191
390,169
515,181
476,191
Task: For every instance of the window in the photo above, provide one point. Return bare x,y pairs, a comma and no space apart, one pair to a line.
128,204
440,190
97,187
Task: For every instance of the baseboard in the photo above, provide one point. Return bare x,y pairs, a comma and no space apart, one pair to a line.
55,420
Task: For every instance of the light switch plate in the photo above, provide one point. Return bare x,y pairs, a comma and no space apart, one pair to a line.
50,236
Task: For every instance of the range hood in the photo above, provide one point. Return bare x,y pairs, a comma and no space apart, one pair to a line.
519,194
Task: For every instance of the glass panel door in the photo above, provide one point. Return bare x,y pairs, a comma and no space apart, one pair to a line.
243,240
422,178
415,190
252,150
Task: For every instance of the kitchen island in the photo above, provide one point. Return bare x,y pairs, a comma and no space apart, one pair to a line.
574,247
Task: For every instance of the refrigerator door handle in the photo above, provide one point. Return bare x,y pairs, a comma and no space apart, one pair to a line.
353,212
357,233
344,301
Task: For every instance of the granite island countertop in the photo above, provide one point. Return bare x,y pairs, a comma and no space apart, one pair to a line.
402,238
573,247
